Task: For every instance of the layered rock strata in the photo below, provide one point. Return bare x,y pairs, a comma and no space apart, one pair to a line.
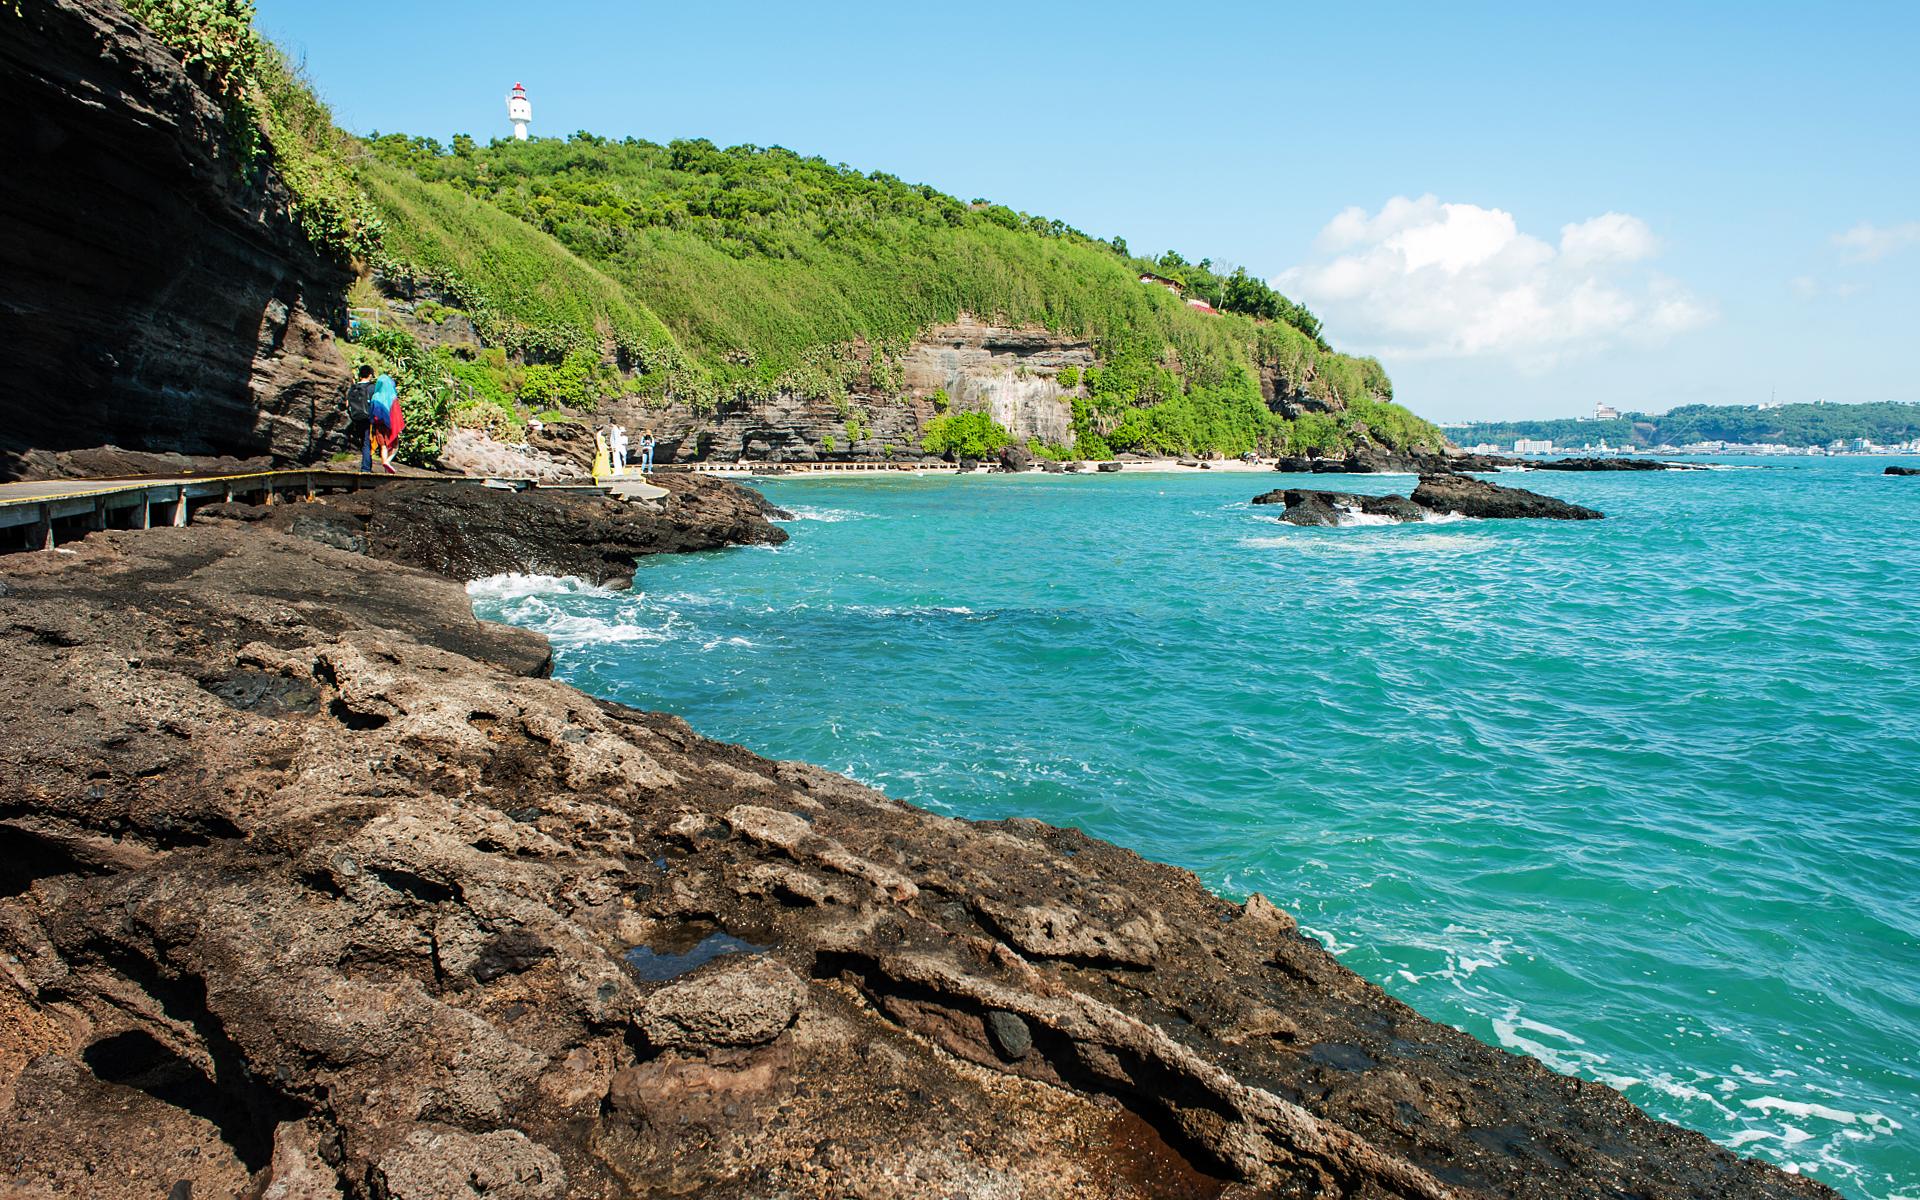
156,295
312,887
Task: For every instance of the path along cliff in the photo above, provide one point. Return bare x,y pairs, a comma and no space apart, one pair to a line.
312,885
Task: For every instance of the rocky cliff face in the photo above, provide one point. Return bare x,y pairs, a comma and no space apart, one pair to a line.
1004,371
310,887
153,298
1010,373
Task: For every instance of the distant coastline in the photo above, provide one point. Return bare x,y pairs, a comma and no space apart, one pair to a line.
1878,428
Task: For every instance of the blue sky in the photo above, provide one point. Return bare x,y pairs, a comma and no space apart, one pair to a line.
1521,208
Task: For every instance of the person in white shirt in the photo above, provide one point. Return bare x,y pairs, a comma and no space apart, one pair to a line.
617,445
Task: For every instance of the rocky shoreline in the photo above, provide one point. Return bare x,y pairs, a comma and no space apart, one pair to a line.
1439,495
314,887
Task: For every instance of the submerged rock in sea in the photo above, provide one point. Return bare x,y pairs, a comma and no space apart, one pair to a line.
1472,497
313,887
1307,507
1437,495
1609,464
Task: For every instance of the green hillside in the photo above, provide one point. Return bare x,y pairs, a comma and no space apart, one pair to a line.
695,275
775,271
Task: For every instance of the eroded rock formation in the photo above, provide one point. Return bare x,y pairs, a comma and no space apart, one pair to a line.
313,888
1470,497
1009,373
1438,495
466,531
155,296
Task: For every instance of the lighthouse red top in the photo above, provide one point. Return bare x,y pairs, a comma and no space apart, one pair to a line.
519,87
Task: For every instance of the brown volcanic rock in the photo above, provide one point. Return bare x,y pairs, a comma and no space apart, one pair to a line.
465,531
311,883
155,296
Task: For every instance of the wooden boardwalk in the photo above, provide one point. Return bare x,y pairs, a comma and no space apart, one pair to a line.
46,511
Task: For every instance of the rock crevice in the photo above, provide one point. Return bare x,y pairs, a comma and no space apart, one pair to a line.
408,953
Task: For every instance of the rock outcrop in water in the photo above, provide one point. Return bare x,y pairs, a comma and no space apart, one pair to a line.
1307,507
1437,495
312,887
1903,470
1472,497
1373,460
1608,464
155,297
465,531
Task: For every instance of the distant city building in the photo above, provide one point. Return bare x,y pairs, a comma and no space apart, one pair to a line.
519,111
1605,412
1533,445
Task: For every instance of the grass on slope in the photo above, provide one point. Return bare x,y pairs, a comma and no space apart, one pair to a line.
524,290
766,267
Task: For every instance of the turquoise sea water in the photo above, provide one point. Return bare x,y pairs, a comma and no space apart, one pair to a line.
1639,797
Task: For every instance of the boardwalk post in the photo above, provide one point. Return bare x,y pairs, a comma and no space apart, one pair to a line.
43,528
100,513
180,506
146,512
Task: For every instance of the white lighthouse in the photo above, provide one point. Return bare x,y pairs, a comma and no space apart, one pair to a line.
519,111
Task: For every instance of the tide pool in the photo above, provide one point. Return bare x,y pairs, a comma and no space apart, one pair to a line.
1638,797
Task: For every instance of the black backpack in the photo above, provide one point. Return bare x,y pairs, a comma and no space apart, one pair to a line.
360,400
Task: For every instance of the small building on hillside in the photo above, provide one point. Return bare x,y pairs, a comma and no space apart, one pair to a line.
1172,285
1202,305
1605,412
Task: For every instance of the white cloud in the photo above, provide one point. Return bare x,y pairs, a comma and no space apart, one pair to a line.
1866,241
1808,288
1423,278
1610,237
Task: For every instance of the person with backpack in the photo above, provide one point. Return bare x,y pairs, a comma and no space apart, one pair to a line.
359,422
646,452
387,419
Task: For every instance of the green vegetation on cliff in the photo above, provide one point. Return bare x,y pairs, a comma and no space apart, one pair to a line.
772,271
272,116
1787,424
701,275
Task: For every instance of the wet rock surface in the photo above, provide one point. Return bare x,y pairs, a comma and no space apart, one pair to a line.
1437,495
467,531
1373,459
1609,464
1903,471
1307,507
1472,497
313,887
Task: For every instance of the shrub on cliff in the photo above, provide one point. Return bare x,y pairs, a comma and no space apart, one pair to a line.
765,267
273,116
431,384
965,435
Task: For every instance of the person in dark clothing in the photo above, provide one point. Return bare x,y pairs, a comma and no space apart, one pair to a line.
359,415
